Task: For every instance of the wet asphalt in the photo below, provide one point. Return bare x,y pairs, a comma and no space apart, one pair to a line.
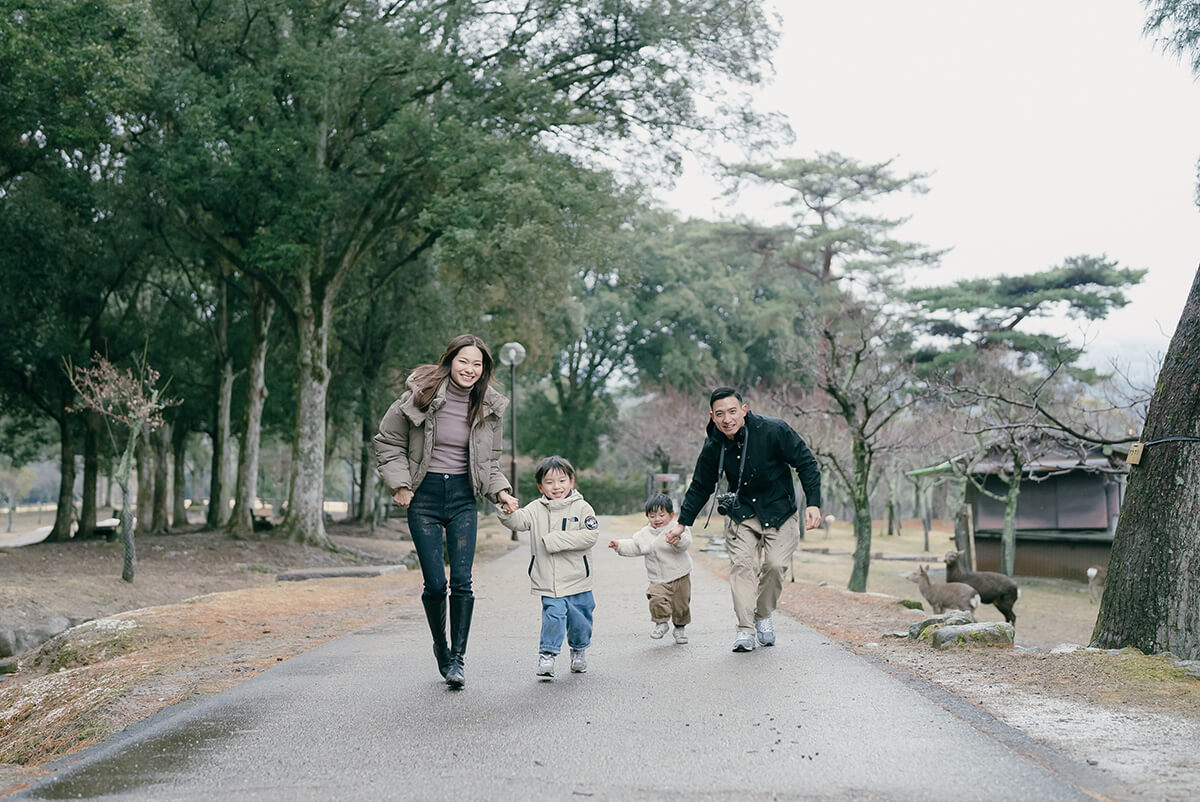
367,717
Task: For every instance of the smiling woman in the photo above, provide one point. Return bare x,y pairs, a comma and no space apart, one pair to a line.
439,447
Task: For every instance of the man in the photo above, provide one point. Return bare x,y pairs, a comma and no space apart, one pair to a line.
763,517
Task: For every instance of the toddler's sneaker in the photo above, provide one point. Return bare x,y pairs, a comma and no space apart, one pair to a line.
680,635
765,631
578,662
743,642
545,664
660,629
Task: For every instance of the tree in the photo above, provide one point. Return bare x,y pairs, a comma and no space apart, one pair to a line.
1152,599
857,344
292,141
133,402
1015,388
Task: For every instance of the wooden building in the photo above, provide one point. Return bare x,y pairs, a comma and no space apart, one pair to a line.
1066,513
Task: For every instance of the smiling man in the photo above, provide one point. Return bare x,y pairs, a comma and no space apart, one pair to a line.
756,453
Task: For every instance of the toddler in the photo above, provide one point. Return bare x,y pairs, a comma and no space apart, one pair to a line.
562,530
668,566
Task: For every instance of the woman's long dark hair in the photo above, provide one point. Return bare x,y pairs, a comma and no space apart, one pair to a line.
427,378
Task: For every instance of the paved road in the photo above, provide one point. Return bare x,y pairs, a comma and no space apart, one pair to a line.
367,717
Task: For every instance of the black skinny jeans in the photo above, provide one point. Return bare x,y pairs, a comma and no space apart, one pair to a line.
444,503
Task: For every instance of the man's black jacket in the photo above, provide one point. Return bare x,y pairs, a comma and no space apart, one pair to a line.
766,490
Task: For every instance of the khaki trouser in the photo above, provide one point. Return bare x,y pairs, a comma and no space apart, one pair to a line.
756,592
671,600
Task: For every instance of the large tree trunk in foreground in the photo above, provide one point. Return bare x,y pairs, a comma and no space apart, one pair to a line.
1152,599
65,512
242,523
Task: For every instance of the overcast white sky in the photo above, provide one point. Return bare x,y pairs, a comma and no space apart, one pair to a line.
1052,129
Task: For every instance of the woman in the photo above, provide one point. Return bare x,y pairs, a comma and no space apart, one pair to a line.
439,447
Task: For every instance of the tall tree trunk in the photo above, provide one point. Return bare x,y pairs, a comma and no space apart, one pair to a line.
145,485
218,496
1152,598
860,497
91,474
179,438
306,519
1008,536
65,512
242,523
366,468
160,524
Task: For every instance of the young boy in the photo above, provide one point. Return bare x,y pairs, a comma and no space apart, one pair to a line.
563,528
668,566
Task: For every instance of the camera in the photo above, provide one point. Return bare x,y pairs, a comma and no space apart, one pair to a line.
726,502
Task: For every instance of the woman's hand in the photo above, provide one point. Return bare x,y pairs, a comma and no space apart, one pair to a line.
508,502
403,497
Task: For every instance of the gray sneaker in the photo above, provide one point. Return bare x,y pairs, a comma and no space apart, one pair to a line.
744,642
578,662
660,629
545,664
765,631
680,635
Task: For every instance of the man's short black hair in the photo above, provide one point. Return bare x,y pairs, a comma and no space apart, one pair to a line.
660,501
554,463
723,392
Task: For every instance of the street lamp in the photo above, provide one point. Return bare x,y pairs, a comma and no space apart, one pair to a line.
512,354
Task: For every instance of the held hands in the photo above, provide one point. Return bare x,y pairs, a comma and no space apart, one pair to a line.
508,502
612,544
812,517
674,533
403,497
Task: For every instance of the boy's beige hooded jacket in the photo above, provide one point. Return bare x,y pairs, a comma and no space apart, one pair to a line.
664,562
561,534
405,443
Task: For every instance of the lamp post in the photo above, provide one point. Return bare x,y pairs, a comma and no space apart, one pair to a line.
512,354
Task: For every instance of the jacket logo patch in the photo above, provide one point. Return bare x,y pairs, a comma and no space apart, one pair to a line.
591,523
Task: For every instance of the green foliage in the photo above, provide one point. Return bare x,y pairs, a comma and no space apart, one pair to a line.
974,316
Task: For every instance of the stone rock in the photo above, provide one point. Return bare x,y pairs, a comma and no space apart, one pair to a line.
984,634
911,604
1068,648
8,666
903,633
952,618
1190,667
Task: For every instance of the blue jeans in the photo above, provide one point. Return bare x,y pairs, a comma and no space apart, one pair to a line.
570,616
444,503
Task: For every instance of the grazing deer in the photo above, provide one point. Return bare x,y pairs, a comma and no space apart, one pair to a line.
994,588
945,595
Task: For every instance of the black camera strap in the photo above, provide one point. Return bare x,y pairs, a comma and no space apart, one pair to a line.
721,471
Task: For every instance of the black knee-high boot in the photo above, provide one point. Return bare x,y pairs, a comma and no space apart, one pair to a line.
460,627
435,614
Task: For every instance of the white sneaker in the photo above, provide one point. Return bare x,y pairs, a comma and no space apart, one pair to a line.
765,631
744,642
680,635
545,666
578,662
660,629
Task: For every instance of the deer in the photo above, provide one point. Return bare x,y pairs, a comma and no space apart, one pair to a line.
1097,575
945,595
995,589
